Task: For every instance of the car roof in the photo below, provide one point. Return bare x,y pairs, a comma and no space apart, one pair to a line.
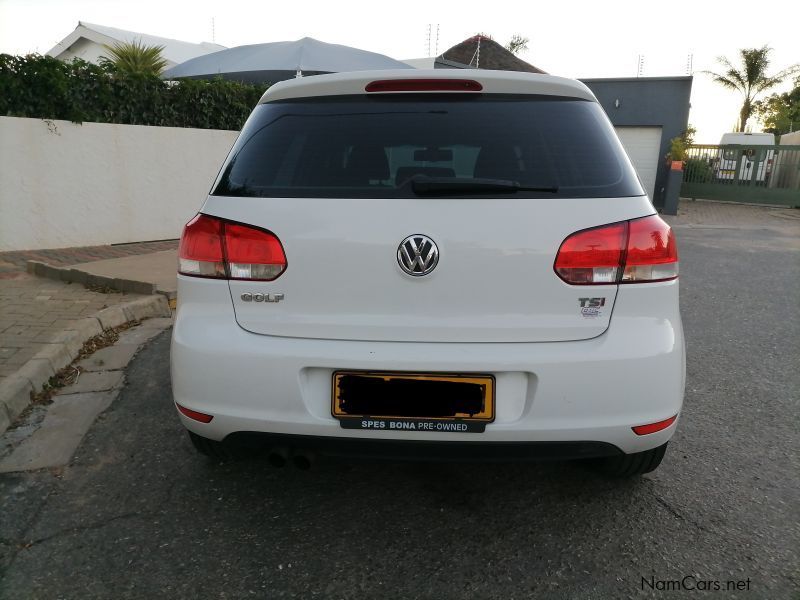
493,82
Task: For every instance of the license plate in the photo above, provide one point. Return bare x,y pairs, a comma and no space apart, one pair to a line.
398,401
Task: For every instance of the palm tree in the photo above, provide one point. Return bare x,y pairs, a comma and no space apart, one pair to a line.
517,44
750,78
134,58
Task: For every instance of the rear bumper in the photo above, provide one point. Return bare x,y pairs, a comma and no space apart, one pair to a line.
423,450
581,391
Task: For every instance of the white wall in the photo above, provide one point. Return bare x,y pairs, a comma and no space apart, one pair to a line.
84,49
63,184
790,139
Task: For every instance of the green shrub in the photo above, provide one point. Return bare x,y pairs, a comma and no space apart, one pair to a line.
679,146
43,87
698,170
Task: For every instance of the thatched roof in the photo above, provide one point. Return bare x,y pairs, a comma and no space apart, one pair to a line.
483,52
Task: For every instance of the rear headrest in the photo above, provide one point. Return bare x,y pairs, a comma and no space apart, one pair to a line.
498,162
367,162
406,173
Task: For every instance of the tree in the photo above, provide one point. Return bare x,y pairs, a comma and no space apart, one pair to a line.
780,113
517,44
750,77
134,58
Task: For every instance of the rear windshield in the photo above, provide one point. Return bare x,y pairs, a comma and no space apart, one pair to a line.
382,146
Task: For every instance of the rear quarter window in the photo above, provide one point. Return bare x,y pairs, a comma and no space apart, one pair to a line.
374,146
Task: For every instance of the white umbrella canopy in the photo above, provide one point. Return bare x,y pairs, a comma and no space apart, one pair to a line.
277,61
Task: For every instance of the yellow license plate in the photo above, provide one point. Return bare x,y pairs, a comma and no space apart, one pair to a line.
413,401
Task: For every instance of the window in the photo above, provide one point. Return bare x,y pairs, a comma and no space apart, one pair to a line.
375,146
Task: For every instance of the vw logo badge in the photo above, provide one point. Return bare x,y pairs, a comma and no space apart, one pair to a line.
417,255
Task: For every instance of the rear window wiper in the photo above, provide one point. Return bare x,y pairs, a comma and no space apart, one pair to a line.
431,186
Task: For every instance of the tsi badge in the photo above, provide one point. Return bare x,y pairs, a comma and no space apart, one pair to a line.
590,307
248,297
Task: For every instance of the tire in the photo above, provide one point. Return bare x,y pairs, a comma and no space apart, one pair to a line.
632,465
219,451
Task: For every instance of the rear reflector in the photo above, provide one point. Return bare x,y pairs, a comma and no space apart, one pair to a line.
193,414
424,85
211,247
637,251
654,427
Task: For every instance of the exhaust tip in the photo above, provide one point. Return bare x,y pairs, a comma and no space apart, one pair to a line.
302,461
277,458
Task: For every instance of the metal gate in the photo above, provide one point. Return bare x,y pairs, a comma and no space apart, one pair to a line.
757,174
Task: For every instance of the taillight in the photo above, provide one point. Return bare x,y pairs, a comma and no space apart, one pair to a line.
652,254
200,252
424,85
636,251
211,247
252,253
592,256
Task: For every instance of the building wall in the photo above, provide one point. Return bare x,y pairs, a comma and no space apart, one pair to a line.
647,102
790,139
85,49
63,184
787,165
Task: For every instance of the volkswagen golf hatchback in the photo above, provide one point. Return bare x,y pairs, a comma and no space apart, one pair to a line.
444,265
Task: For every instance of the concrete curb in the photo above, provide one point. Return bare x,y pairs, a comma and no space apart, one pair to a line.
70,275
63,348
761,204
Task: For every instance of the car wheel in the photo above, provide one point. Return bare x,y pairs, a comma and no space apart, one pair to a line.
218,450
631,465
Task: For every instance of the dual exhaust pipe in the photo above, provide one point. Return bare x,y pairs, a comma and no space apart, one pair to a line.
278,457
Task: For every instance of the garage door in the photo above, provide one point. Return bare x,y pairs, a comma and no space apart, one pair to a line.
642,145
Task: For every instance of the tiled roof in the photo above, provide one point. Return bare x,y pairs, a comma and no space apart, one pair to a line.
483,52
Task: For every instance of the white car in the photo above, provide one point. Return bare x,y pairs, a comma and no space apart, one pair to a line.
739,153
442,264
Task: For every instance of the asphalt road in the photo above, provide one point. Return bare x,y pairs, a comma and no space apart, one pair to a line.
139,515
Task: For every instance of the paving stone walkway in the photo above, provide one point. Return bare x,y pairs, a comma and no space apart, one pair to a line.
48,436
13,263
33,310
728,214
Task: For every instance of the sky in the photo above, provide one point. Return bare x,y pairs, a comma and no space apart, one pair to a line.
577,38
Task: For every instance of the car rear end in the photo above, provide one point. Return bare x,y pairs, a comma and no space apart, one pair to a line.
465,266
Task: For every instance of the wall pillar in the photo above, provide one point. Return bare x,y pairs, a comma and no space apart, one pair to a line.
672,191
